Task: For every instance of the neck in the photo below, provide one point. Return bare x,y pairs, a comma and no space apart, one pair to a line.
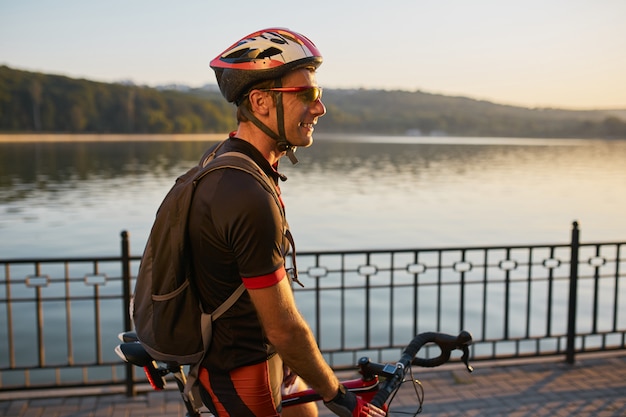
265,144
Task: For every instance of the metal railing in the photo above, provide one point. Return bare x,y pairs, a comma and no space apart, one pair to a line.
59,318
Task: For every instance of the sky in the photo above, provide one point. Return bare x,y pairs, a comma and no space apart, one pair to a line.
533,53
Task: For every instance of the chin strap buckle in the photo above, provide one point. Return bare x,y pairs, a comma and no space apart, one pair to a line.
291,154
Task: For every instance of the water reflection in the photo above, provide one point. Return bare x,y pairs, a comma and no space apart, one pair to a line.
369,167
46,167
49,166
351,193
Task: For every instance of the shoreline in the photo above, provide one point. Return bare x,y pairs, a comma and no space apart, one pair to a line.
110,137
216,137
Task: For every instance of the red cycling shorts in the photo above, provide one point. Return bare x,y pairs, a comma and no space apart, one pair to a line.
248,391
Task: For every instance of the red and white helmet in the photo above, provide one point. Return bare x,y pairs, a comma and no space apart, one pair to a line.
264,55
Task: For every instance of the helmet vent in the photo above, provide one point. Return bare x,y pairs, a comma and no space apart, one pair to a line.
269,52
244,55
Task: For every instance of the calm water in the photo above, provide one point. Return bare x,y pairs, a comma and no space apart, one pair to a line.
72,199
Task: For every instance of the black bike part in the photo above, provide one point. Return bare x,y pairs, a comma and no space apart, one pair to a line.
446,343
155,376
136,354
129,336
369,370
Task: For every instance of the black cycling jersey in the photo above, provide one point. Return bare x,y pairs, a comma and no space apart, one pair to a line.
236,233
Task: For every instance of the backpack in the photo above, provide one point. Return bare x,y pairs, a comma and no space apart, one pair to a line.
168,316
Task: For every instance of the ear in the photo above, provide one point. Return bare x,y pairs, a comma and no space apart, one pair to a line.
261,102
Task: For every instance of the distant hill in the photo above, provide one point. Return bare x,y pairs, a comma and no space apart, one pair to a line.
35,102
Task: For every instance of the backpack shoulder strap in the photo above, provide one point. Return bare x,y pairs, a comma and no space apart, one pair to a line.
228,303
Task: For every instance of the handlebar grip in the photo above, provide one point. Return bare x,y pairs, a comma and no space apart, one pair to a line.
417,343
447,343
430,363
380,398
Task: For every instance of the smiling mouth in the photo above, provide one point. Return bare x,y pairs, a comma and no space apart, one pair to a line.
307,125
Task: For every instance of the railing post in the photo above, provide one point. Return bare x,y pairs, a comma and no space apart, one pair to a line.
573,295
126,282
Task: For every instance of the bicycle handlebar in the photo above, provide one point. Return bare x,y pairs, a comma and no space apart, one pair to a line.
447,343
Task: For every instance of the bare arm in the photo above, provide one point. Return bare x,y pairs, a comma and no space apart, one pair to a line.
287,330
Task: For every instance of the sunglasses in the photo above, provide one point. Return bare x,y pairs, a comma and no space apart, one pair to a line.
308,94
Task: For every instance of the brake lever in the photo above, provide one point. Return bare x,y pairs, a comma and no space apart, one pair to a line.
464,340
465,359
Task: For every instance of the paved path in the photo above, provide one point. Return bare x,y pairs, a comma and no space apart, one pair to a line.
595,387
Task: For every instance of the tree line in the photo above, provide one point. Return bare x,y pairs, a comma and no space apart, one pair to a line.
36,102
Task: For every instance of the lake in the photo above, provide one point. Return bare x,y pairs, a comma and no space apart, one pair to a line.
70,198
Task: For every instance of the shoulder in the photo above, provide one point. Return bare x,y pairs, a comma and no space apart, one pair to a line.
233,192
236,181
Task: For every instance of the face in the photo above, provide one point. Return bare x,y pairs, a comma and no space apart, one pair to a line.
300,114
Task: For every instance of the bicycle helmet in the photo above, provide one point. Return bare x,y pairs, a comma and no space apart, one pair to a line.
268,54
263,55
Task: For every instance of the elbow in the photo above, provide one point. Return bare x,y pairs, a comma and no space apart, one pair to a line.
285,334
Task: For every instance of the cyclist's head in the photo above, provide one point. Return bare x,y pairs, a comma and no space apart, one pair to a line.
260,61
262,57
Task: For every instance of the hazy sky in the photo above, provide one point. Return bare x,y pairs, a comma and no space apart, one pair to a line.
535,53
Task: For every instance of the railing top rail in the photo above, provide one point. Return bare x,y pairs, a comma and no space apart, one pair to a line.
64,259
601,243
334,251
455,248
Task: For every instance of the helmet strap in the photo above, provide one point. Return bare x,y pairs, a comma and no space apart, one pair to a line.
281,137
283,144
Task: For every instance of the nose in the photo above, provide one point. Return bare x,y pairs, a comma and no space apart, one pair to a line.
318,108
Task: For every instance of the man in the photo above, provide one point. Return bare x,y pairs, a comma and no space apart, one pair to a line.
238,233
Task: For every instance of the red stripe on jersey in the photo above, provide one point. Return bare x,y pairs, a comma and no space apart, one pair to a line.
265,281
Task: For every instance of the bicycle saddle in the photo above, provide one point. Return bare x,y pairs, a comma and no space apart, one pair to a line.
134,352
